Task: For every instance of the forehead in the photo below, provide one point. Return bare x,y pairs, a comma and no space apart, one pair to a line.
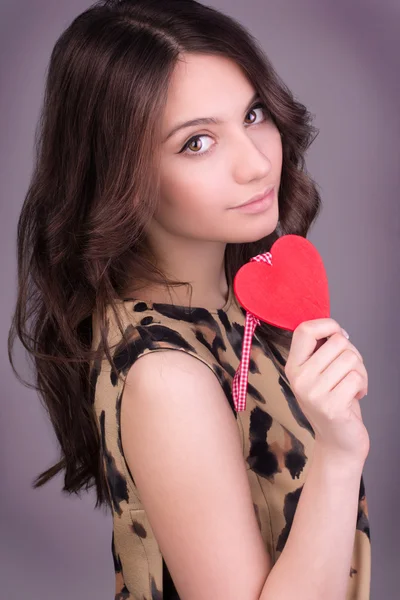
205,85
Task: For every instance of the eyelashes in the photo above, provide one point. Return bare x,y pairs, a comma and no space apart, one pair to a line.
185,148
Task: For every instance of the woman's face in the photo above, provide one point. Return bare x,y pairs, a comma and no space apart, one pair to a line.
225,164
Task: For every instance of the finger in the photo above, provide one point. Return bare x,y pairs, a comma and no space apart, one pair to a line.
339,369
306,336
356,407
330,350
353,382
361,395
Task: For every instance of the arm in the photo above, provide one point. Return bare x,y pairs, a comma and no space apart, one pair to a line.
182,445
315,562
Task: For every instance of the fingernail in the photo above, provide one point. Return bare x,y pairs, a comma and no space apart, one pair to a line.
345,333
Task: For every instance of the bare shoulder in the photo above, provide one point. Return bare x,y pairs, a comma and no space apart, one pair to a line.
166,376
182,445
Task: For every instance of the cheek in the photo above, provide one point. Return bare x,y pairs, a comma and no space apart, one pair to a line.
190,191
277,156
270,144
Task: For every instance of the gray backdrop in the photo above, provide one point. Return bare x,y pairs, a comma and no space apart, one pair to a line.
342,60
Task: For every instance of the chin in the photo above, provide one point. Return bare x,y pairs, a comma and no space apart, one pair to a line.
255,232
249,238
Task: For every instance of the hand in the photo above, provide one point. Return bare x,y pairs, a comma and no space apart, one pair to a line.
328,377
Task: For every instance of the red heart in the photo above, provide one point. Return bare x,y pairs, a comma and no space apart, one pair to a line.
291,290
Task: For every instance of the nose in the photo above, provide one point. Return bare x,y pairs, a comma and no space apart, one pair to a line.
250,161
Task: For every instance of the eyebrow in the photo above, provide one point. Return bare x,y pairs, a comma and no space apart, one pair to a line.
204,120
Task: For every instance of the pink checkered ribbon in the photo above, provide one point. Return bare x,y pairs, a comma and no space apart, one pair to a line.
239,385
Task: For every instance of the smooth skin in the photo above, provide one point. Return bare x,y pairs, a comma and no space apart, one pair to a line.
179,435
223,166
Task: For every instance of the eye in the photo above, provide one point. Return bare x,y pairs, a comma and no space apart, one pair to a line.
185,148
259,105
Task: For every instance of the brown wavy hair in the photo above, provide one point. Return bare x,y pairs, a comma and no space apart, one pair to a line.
94,186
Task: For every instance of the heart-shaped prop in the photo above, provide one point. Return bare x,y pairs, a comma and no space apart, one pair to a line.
293,289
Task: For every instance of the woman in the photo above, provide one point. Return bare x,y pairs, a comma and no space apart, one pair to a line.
161,120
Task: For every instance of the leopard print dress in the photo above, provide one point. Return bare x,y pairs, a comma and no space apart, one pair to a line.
277,439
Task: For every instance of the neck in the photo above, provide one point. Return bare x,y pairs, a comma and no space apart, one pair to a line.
202,264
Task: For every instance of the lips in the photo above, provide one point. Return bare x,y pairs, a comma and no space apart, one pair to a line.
257,196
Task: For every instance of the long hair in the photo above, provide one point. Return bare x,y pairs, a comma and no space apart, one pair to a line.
94,187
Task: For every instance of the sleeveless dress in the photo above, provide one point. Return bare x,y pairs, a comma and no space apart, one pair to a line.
277,439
